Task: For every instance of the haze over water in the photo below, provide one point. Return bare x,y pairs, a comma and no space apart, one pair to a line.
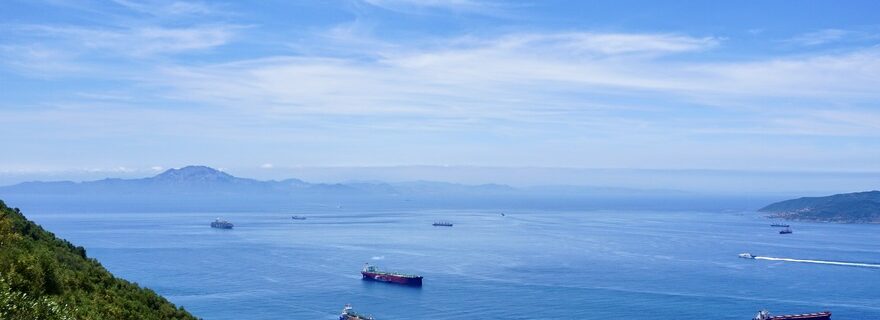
525,265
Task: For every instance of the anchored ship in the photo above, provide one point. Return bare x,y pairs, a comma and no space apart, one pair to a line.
221,224
765,315
779,224
372,273
442,224
349,314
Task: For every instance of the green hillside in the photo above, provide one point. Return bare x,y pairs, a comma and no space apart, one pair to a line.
859,207
43,277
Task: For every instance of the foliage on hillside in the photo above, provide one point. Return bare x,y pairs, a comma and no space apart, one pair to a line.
859,207
43,277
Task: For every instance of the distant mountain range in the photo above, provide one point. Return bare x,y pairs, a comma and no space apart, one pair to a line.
201,188
859,207
196,180
202,180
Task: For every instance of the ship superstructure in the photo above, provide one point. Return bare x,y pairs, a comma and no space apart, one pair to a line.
349,314
221,224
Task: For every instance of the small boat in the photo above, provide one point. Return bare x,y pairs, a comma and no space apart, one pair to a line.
765,315
221,224
502,214
298,218
349,314
747,255
442,224
785,231
372,273
779,225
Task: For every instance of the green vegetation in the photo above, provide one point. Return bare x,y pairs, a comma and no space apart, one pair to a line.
859,207
43,277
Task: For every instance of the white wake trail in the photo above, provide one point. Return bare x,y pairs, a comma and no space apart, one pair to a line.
836,263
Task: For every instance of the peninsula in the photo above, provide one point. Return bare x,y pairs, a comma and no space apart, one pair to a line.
858,207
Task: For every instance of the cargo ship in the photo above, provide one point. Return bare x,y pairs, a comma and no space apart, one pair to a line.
785,231
442,224
298,218
779,225
221,224
372,273
765,315
349,314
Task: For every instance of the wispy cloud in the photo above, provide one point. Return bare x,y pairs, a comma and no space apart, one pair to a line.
570,77
621,85
51,51
830,36
452,4
128,33
616,43
39,60
820,37
168,8
584,43
484,7
584,61
170,69
136,41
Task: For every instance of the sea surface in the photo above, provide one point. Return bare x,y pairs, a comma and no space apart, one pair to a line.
524,265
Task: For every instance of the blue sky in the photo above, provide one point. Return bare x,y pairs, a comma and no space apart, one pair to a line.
138,86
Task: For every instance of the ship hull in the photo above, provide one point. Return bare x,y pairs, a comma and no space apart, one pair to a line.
807,316
409,281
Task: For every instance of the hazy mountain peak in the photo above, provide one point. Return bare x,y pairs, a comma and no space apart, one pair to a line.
194,173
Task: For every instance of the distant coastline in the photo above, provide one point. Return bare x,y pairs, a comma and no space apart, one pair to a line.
858,207
201,188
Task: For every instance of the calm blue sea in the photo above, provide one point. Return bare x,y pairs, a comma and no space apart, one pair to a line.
526,265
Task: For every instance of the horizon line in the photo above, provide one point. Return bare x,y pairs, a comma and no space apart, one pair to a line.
160,169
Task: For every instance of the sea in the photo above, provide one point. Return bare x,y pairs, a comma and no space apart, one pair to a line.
524,264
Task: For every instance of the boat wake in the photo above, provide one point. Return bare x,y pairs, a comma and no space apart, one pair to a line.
836,263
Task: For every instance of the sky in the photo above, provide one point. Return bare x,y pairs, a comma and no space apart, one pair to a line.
132,87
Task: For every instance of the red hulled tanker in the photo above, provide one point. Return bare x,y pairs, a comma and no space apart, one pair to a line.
372,273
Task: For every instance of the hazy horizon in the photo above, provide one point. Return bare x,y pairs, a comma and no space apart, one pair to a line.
804,183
